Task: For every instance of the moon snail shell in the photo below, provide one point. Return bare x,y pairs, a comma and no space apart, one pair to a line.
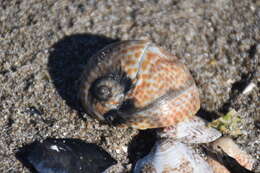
138,84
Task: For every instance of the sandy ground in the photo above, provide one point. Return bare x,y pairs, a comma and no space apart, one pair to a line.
44,46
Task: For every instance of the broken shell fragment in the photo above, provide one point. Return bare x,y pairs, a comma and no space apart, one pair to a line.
191,131
169,156
229,147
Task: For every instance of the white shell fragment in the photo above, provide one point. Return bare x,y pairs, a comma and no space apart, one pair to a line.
169,156
191,131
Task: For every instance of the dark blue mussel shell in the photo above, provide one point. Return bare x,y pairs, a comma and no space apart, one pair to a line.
64,156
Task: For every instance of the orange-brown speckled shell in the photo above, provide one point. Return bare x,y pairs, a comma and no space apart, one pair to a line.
164,91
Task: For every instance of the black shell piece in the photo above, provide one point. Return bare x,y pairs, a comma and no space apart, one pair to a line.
64,156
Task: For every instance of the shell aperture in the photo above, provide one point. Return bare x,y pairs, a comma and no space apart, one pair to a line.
138,84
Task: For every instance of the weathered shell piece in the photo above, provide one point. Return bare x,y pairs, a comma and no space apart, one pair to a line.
191,131
227,145
163,93
169,156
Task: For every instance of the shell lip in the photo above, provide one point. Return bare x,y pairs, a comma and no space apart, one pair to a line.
119,116
114,117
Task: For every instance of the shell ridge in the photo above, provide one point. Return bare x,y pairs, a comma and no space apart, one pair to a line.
172,156
153,111
140,62
171,94
196,131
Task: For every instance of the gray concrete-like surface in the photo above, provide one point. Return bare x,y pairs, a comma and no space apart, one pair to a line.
44,46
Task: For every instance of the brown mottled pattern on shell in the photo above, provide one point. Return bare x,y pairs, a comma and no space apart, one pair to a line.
154,72
167,54
173,111
158,75
131,56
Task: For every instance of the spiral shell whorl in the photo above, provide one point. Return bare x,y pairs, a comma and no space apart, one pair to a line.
162,90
